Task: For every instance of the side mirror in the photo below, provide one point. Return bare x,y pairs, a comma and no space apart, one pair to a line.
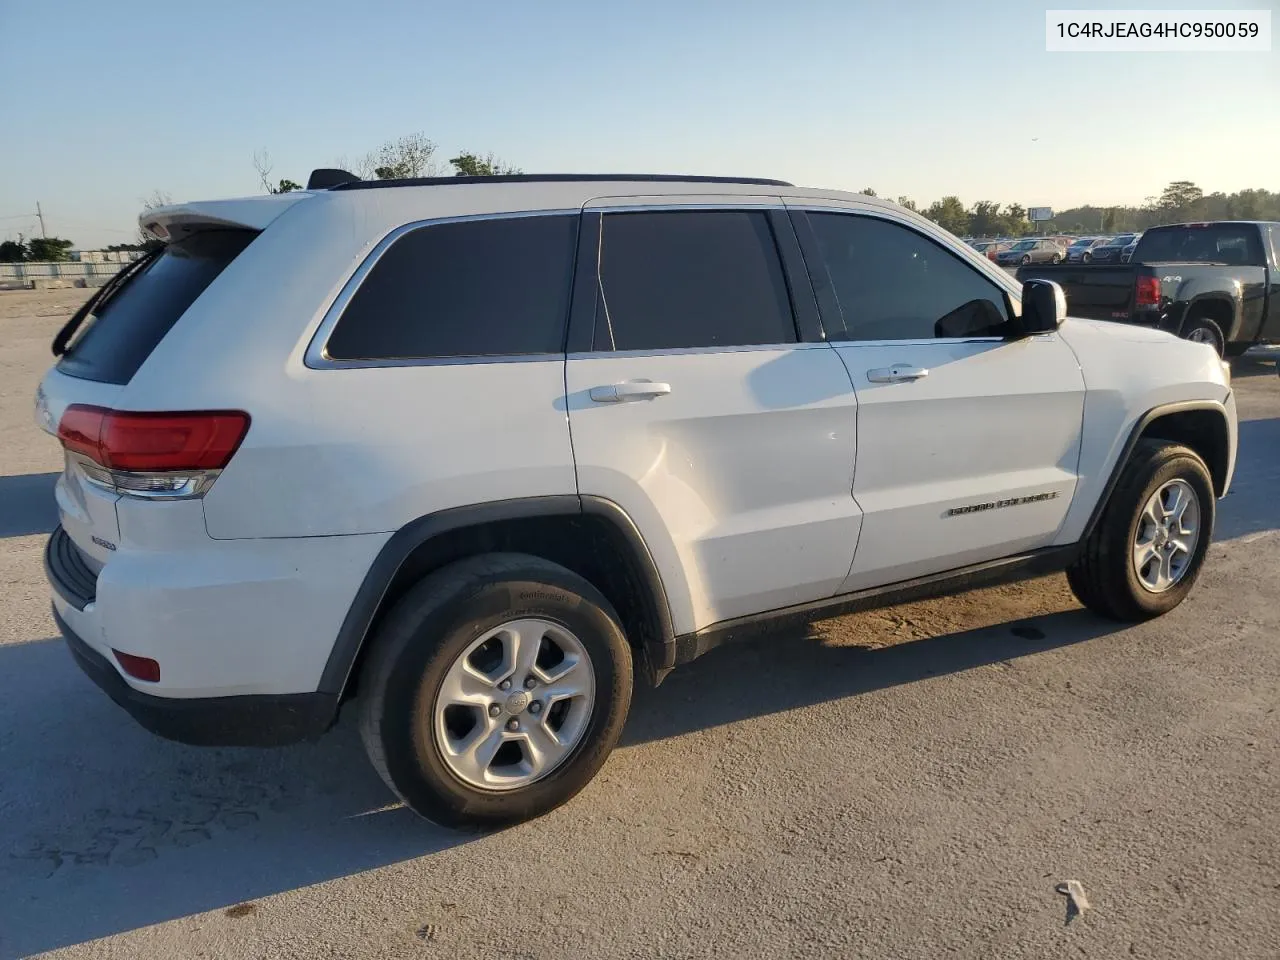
1044,306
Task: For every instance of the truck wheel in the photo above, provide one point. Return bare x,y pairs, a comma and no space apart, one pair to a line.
1204,330
1143,557
495,690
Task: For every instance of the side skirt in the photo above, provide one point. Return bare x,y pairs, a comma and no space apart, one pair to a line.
690,646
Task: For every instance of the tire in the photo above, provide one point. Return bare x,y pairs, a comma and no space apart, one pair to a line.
428,632
1105,578
1204,330
1026,258
1087,258
1057,258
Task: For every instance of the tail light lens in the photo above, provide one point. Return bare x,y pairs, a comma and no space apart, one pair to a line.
1147,293
157,455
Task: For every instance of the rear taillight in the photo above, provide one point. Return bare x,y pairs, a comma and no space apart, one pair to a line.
1147,292
157,455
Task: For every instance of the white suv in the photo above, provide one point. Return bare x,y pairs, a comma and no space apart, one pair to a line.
472,451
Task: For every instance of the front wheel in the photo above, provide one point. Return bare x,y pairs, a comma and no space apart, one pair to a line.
1026,258
1146,552
1087,258
496,689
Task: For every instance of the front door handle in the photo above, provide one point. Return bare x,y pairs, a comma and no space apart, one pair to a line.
898,373
629,390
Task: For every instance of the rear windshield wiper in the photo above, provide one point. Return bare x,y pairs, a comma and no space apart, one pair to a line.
99,299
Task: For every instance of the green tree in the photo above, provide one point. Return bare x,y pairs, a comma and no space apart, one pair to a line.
48,249
949,213
907,203
986,220
474,165
1181,200
286,186
1108,221
13,251
868,192
1016,222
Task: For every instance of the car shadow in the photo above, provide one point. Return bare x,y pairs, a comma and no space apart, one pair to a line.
1252,506
798,667
100,813
27,506
1255,365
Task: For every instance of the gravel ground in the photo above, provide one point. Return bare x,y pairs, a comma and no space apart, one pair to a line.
907,783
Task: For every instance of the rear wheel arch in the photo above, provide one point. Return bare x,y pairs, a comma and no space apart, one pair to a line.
592,537
1216,308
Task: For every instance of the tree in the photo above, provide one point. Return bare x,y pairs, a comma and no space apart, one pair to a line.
473,165
153,201
1181,200
986,220
408,156
13,251
262,163
867,192
48,249
907,203
949,214
1108,222
1015,216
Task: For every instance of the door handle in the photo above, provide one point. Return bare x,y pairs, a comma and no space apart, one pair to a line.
898,373
629,390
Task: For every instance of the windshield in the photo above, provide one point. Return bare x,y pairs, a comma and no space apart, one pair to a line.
1121,241
1024,245
1230,243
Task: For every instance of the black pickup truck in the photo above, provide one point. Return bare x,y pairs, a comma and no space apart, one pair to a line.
1216,283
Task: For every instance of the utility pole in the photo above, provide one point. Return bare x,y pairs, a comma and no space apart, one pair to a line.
40,217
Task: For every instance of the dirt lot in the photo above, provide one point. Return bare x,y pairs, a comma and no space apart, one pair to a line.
908,783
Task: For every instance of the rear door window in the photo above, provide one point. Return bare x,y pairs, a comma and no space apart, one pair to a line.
1236,244
676,279
473,288
116,339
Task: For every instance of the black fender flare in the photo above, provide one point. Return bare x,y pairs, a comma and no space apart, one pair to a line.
382,572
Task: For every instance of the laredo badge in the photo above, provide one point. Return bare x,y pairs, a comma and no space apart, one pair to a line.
998,504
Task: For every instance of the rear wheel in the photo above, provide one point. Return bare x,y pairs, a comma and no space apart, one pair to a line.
1057,258
1146,552
1204,330
496,689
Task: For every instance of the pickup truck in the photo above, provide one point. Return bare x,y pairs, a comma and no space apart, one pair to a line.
1215,283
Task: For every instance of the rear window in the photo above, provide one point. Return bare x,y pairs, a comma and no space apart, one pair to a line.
496,287
1236,244
120,334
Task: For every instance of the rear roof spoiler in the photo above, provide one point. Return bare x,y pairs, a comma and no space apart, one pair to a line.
251,213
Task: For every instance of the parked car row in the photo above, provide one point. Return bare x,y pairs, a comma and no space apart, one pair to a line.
1017,252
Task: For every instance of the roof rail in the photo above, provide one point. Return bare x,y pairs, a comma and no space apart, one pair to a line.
357,184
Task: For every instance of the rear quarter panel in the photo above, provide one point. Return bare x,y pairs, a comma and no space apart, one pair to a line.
348,451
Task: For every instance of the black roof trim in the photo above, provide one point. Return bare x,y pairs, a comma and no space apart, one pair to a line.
554,178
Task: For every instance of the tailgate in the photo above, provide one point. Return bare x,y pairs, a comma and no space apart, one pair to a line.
87,512
1093,292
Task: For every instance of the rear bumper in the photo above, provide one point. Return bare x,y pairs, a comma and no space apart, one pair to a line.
254,720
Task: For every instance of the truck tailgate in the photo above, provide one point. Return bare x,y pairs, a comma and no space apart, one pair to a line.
1093,292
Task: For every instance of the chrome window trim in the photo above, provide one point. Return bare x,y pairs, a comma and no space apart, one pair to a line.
694,351
317,357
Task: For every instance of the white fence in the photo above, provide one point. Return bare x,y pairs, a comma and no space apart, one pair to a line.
66,271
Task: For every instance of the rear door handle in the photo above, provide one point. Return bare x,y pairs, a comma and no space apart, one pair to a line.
629,390
898,373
